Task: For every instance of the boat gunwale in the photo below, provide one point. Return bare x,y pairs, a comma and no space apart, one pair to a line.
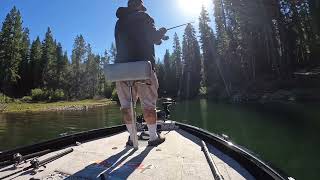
251,162
246,158
62,142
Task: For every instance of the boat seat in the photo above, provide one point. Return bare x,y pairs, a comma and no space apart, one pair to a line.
131,71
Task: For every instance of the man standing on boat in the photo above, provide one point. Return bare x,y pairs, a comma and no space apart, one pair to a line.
135,36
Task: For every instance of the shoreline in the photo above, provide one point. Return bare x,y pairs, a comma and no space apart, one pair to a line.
21,107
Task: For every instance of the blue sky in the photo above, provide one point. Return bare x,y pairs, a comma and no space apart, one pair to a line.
95,19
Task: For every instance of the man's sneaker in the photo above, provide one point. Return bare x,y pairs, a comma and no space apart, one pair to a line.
129,142
157,142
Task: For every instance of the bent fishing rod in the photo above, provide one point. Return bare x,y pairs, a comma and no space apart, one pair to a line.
174,27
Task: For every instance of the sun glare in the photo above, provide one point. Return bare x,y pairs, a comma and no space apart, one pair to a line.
193,7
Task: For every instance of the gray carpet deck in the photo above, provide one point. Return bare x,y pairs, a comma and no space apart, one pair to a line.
179,157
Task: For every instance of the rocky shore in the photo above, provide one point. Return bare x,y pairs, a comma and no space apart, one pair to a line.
281,96
74,107
83,105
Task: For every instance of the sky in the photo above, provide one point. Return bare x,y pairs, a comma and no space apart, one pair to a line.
95,19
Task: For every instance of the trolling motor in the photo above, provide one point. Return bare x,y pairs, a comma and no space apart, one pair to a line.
163,123
166,105
163,114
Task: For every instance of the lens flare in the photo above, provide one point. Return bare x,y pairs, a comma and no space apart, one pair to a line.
193,7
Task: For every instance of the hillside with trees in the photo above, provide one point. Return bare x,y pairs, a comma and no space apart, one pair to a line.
248,51
43,70
258,51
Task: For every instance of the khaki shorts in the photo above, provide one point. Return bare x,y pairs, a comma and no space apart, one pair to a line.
147,93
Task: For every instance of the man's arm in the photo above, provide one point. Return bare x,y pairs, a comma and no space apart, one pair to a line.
154,35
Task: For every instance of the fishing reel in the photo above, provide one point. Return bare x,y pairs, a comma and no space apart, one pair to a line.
17,159
165,38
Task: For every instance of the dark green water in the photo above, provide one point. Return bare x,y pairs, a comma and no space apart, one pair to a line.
285,135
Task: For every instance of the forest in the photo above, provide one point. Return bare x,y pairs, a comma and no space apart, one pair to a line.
257,50
42,71
264,50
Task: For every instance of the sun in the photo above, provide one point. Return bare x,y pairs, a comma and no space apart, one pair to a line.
193,7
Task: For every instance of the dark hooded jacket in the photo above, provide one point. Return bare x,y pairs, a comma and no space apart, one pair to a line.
135,36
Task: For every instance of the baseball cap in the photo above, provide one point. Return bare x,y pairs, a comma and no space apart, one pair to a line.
136,3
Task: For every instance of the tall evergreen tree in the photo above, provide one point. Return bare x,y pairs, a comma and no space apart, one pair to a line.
105,88
10,51
49,61
160,70
208,46
92,73
167,73
105,59
65,72
24,81
113,53
192,59
62,62
35,65
78,58
177,63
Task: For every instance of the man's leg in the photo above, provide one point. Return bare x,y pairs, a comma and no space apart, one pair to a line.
124,97
148,95
126,113
150,117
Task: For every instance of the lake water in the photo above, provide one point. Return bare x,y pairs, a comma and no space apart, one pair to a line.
286,135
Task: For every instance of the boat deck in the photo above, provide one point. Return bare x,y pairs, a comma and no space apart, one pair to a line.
179,157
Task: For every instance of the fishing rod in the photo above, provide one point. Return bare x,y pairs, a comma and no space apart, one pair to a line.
165,38
36,163
18,158
174,27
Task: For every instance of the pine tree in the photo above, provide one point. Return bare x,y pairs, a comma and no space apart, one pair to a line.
24,82
49,61
113,53
65,73
62,62
160,70
10,51
177,63
105,59
78,58
192,59
167,73
105,88
35,64
92,73
315,17
208,47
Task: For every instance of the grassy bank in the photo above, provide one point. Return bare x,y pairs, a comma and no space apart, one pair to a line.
56,106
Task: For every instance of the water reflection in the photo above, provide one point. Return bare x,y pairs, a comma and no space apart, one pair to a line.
286,135
19,129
